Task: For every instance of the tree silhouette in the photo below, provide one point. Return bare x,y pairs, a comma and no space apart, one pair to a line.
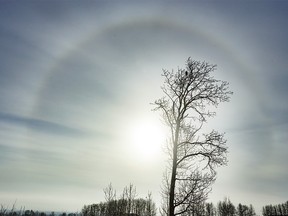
210,209
188,96
275,210
126,205
226,208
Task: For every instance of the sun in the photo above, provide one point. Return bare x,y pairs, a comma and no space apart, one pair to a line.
146,138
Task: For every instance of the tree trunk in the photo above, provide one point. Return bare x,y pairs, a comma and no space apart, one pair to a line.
173,174
172,187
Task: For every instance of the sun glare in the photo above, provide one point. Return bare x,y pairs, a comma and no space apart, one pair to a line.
146,138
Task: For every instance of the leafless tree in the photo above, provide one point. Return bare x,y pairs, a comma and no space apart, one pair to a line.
226,208
110,197
210,209
126,205
5,211
150,207
189,96
109,193
129,194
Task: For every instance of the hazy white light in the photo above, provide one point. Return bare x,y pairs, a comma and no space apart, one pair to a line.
146,138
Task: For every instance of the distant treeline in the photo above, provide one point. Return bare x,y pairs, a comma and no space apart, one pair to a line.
126,204
227,208
276,210
5,211
129,205
146,207
121,207
223,208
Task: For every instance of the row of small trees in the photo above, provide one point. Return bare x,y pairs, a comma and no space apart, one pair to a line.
146,207
126,204
6,211
276,210
139,207
227,208
223,208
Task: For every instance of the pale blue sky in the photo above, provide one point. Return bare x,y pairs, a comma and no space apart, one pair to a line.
76,76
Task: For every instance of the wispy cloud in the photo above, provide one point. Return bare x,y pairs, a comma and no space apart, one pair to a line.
40,125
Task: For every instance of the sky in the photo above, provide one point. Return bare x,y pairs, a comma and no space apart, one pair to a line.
78,77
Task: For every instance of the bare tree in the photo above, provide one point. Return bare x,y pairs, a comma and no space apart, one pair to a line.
210,209
244,210
129,194
109,193
150,206
126,205
226,208
110,197
189,94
